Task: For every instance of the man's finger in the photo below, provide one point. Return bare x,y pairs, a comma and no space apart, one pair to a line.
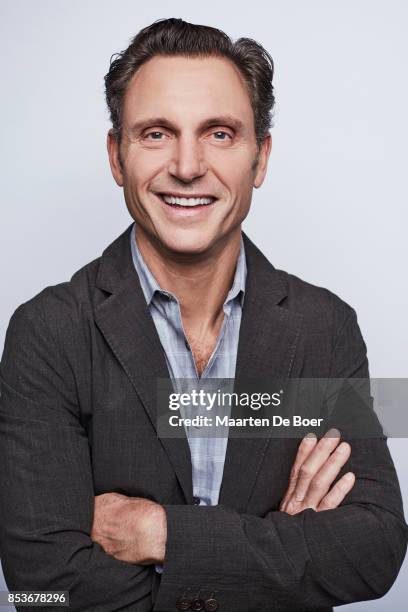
314,462
323,480
338,492
305,448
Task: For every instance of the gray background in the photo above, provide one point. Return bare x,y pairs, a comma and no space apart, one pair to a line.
337,167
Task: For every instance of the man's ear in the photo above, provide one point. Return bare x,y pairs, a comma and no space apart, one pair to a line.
263,158
114,157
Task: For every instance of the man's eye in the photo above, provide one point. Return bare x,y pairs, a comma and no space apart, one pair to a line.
222,133
155,134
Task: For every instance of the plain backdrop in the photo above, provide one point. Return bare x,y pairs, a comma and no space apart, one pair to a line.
337,169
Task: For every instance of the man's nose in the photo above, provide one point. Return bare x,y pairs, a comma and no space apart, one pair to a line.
188,161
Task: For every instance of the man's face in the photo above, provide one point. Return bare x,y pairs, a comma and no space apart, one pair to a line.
188,131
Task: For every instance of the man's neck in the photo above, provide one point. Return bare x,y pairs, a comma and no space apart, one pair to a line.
201,284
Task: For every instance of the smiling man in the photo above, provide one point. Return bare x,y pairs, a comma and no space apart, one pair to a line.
94,502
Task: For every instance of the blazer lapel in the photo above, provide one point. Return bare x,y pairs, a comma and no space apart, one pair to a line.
267,344
123,318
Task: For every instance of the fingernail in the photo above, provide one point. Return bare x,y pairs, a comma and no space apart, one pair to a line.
349,476
332,433
310,436
342,449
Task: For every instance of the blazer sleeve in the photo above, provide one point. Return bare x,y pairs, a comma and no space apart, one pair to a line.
47,495
303,562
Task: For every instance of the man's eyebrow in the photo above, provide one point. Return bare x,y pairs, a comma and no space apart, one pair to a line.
230,120
223,120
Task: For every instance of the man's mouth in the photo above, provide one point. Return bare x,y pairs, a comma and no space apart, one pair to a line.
190,201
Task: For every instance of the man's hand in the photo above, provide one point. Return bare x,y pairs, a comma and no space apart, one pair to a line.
131,529
315,468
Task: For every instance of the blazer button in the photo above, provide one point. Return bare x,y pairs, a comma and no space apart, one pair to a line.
197,605
183,603
211,605
196,501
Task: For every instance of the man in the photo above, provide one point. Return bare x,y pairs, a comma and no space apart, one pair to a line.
93,501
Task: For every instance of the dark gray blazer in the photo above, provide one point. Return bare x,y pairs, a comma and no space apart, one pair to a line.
77,419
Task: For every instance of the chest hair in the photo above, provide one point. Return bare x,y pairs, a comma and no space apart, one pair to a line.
202,351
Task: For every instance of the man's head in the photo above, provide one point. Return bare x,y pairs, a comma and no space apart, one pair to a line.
191,112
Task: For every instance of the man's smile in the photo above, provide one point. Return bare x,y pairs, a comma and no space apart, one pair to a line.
187,204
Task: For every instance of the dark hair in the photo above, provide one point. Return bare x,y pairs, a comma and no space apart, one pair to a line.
178,37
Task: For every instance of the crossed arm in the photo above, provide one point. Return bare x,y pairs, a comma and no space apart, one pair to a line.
134,529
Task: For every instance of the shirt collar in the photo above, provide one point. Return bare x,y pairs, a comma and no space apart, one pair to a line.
238,284
150,286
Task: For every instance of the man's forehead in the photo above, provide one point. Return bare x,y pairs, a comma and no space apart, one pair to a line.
206,88
167,66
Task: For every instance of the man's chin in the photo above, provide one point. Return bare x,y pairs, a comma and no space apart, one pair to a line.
189,246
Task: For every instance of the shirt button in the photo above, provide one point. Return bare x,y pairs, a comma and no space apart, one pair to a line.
197,605
183,603
211,605
196,501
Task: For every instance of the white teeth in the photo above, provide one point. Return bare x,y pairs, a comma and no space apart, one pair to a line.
187,201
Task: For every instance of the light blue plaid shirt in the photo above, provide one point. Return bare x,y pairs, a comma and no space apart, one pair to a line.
207,453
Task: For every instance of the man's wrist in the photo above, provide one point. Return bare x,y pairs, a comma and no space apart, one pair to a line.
156,534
